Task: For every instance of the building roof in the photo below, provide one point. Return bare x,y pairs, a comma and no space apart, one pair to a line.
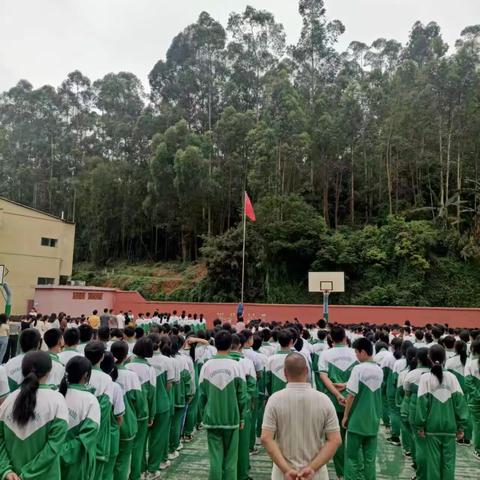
77,288
36,210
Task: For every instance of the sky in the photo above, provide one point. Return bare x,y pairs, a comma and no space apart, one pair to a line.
43,40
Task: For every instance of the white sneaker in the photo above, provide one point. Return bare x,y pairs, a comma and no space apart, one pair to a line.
153,475
180,447
165,465
173,456
258,441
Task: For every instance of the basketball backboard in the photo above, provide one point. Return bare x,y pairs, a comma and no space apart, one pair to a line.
2,273
326,281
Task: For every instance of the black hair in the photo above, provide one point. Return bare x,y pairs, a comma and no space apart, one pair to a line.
461,350
362,344
266,334
165,345
337,334
156,339
143,348
419,334
119,350
405,346
116,332
397,348
475,349
257,342
71,337
422,358
30,339
3,318
86,332
95,351
322,334
223,340
129,331
35,365
139,333
108,365
380,346
51,337
465,336
437,356
428,337
104,334
236,341
75,369
449,342
284,338
411,358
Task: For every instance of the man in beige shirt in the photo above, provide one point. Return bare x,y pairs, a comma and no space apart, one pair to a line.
300,428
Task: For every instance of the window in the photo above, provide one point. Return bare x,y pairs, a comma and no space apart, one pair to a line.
45,281
95,295
64,279
78,296
49,242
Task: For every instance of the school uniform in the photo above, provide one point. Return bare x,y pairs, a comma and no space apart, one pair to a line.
67,354
275,379
250,374
133,400
181,395
192,407
441,412
148,382
365,384
223,394
402,402
13,369
33,451
408,410
338,363
378,358
102,385
57,372
117,411
472,387
160,431
78,454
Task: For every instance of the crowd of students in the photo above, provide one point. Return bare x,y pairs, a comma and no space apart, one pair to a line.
118,403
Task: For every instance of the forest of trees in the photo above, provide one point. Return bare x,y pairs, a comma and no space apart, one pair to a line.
365,160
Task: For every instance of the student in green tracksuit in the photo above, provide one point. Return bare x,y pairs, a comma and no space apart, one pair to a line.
456,363
472,385
182,394
410,387
33,425
261,386
134,404
335,367
103,389
53,338
274,369
440,417
159,432
77,460
223,395
381,351
403,401
108,366
363,410
251,383
143,351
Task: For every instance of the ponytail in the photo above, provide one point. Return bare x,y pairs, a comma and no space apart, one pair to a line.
35,365
437,356
461,351
77,369
475,349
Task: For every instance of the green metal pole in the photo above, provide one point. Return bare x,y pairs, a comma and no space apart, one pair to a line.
8,299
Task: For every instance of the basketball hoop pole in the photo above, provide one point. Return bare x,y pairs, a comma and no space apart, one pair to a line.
326,294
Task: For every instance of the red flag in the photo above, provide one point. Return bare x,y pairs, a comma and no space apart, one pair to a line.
249,212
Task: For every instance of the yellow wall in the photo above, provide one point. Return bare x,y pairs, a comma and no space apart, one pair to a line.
21,231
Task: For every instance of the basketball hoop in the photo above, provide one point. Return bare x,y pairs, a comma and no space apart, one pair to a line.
326,283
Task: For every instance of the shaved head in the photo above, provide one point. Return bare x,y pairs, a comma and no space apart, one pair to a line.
296,367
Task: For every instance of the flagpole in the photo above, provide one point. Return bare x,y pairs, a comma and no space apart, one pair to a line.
243,251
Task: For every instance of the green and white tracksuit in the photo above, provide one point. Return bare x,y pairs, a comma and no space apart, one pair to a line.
160,431
33,451
337,363
454,365
378,358
391,369
78,454
223,394
148,381
102,386
202,354
67,354
57,372
182,392
472,387
192,408
441,411
408,410
4,388
365,384
402,402
316,351
134,401
13,368
117,411
244,435
275,379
